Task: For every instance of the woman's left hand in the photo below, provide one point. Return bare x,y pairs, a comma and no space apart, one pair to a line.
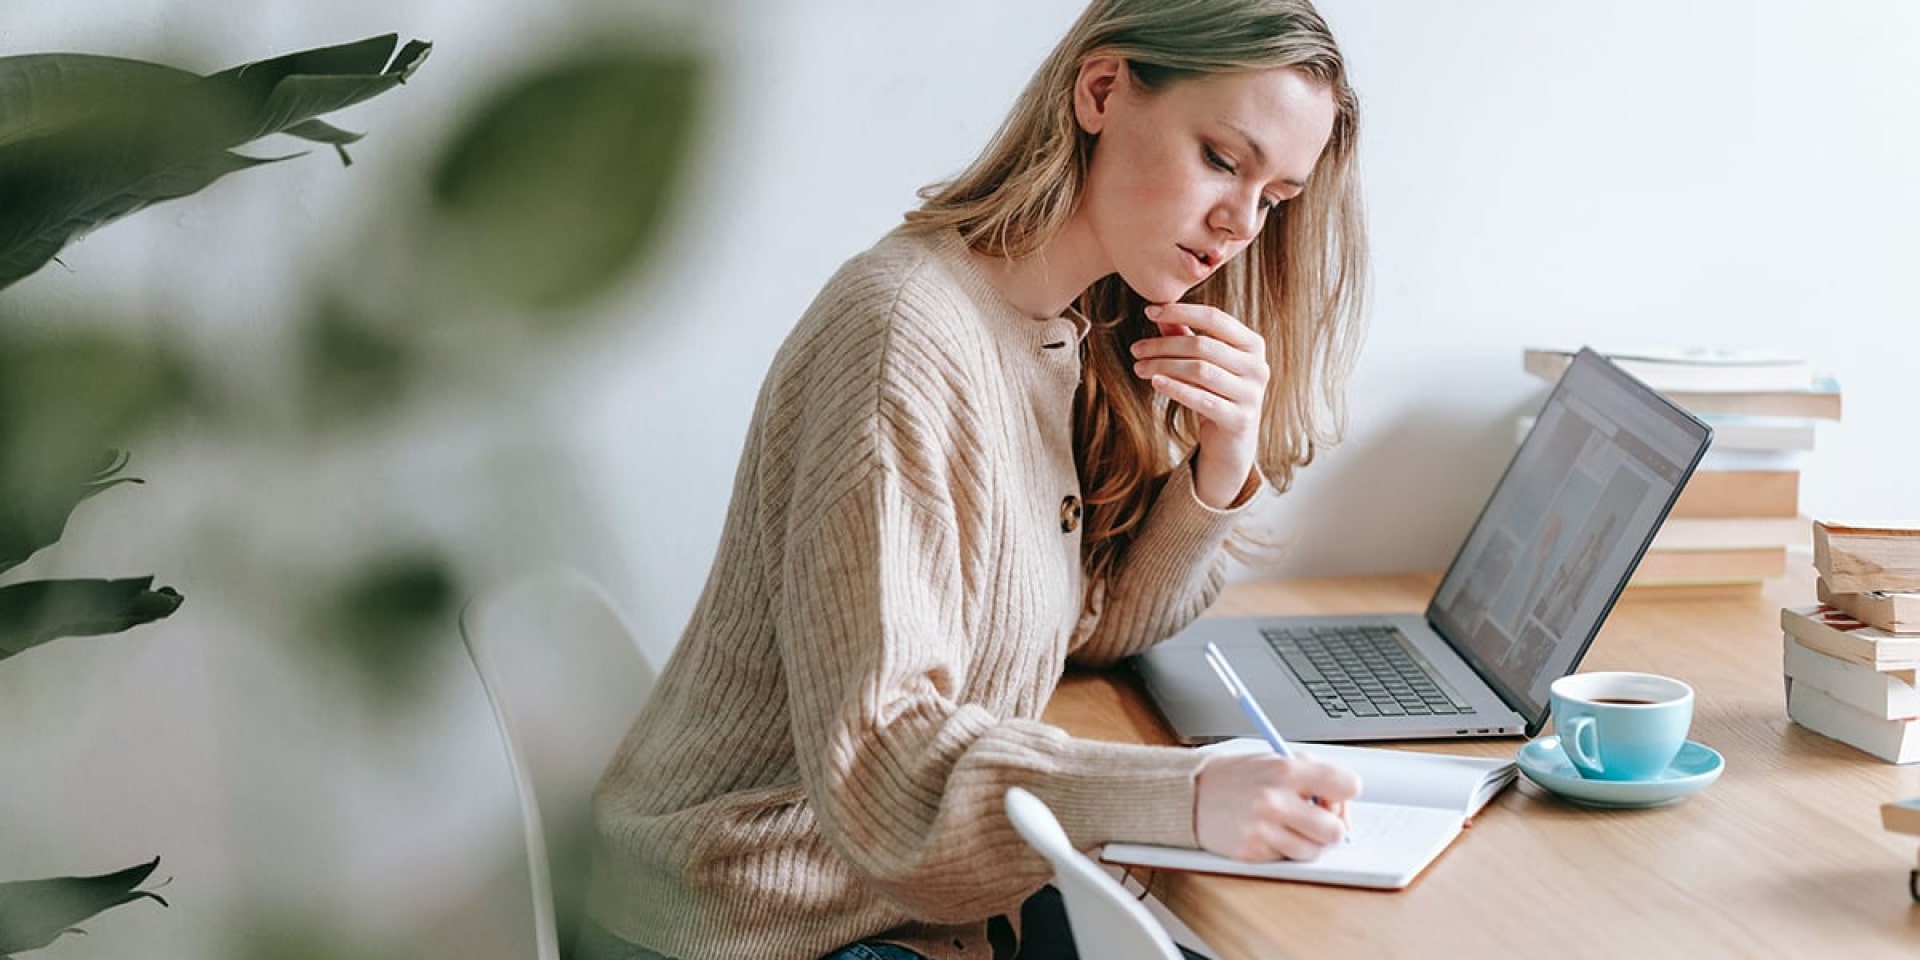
1216,366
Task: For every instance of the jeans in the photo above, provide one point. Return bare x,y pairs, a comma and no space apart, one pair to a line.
1043,920
597,944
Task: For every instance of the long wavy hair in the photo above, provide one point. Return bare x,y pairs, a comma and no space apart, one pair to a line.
1301,284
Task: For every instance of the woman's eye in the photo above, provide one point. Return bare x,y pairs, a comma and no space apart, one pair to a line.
1217,161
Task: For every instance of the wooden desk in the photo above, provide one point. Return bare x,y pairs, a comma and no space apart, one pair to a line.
1784,856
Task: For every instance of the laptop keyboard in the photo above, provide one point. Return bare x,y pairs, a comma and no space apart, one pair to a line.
1363,671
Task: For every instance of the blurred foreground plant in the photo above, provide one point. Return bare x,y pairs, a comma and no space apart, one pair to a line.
85,140
33,612
34,913
551,189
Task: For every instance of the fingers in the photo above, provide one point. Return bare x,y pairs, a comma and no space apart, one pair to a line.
1198,318
1211,364
1329,782
1294,827
1206,360
1193,330
1232,413
1266,807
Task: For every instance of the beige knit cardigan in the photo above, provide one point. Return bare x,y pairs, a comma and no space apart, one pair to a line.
896,593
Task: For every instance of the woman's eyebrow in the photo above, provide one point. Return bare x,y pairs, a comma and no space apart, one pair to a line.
1259,152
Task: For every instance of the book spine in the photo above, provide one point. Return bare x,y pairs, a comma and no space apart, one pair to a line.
1662,568
1861,563
1889,695
1760,433
1896,613
1730,533
1807,627
1546,365
1820,404
1892,740
1739,493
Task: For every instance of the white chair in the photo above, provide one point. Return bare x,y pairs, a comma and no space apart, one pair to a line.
1107,921
565,679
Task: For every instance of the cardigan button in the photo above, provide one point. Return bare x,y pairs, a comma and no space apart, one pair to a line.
1070,514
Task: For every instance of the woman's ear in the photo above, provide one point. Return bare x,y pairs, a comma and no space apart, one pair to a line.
1093,90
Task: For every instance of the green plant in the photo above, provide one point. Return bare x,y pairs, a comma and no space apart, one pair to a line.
85,140
34,612
548,192
34,913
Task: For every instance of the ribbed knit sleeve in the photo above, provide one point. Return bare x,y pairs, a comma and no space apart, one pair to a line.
907,781
1173,571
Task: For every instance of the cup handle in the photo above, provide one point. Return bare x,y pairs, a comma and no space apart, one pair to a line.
1577,737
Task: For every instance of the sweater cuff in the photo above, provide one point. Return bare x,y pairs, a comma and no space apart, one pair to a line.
1182,530
1125,792
1250,492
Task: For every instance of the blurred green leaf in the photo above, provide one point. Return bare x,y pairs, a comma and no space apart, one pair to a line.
557,184
36,611
410,590
389,618
30,521
288,91
64,399
85,139
353,365
34,913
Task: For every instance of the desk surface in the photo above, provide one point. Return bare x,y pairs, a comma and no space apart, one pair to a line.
1784,856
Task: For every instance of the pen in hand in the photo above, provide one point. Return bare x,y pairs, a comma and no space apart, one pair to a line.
1238,691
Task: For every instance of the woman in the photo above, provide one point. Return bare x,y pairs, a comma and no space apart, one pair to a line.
1017,431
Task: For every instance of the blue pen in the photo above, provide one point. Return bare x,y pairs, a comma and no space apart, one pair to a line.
1238,690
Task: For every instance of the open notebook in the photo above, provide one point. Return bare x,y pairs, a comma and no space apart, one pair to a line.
1412,806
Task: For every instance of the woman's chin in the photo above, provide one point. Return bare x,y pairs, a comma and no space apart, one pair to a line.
1157,289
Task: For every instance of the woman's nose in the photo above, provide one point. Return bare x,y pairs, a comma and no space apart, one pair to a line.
1238,217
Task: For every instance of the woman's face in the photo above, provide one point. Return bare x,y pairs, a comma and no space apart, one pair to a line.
1182,179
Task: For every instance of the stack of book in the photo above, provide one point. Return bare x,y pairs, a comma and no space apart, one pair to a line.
1852,660
1903,816
1740,512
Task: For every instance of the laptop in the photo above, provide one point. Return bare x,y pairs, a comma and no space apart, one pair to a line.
1517,609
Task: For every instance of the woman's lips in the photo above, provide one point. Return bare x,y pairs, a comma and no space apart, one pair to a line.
1202,261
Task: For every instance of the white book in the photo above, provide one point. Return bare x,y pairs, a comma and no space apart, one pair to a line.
1896,741
1892,694
1734,432
1896,612
1836,634
1730,458
1412,805
1732,533
1739,443
1689,369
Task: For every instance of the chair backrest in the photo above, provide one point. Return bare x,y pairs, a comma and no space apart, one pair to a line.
1107,921
565,679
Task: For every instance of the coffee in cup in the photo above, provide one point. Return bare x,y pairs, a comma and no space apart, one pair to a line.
1621,726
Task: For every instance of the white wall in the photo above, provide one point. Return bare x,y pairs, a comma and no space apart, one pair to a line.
1702,171
1721,172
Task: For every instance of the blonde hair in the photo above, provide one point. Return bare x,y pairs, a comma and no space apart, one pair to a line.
1300,285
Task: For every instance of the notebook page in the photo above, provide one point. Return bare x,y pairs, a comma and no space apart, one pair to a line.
1391,845
1460,784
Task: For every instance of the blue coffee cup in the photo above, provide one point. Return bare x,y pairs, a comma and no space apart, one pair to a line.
1621,726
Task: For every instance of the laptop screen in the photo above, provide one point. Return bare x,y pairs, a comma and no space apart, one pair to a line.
1564,528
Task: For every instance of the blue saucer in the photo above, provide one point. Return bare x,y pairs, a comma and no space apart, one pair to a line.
1543,762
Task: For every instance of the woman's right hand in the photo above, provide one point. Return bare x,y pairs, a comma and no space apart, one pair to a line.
1258,807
